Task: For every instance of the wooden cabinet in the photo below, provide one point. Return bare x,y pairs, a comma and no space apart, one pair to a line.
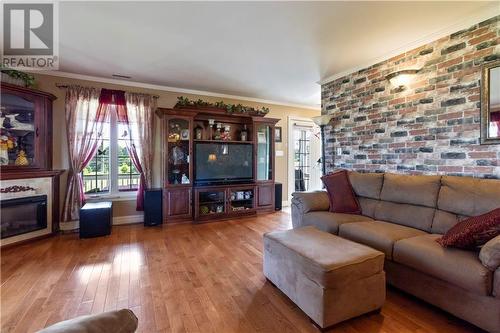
223,202
177,203
194,191
265,196
25,126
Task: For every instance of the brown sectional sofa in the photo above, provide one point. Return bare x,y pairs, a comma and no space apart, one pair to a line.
402,217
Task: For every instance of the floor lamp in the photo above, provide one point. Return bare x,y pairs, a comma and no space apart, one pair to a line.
322,121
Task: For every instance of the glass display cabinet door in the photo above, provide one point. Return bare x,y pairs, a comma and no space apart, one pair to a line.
18,131
178,151
264,153
211,202
241,199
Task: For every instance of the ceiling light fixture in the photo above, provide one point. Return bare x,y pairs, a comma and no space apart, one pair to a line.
401,78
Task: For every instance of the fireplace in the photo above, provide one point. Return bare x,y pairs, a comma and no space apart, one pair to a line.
23,215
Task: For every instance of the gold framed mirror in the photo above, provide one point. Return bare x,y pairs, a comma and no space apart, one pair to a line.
490,103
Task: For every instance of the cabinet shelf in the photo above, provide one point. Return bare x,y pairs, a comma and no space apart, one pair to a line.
211,202
224,141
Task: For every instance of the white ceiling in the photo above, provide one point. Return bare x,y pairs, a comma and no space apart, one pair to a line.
268,50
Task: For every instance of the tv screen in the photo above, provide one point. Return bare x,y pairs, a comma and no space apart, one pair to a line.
223,162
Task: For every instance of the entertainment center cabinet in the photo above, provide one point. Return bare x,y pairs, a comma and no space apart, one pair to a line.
216,165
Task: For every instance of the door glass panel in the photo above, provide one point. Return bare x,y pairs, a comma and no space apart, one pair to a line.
302,158
178,151
264,169
17,131
307,158
241,199
211,202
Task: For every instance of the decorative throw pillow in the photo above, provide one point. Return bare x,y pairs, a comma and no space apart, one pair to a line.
490,254
341,194
473,232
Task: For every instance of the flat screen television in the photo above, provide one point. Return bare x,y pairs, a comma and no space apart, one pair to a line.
221,163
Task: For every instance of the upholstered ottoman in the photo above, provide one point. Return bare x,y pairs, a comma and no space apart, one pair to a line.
330,278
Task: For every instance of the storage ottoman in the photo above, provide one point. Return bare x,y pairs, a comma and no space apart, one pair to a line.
96,219
330,278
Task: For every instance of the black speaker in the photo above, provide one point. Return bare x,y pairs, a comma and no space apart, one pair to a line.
153,211
278,196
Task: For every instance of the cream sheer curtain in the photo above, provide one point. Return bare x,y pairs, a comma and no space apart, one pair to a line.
140,117
84,125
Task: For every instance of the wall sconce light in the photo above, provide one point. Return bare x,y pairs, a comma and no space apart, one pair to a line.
212,157
401,78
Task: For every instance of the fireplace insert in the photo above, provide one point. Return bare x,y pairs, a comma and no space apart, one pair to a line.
23,215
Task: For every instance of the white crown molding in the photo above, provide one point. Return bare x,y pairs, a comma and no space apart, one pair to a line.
482,14
129,83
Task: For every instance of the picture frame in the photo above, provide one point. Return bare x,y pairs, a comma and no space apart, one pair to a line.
278,131
185,134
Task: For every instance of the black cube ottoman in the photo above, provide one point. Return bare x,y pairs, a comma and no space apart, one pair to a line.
96,219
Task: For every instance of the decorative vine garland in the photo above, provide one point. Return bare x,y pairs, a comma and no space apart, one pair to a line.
230,108
28,79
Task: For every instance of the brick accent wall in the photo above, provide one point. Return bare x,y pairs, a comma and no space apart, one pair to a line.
430,127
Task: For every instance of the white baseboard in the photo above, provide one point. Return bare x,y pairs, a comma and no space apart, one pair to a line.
285,203
69,226
119,220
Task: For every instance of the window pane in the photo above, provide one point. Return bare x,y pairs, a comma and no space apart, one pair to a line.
128,176
96,178
95,175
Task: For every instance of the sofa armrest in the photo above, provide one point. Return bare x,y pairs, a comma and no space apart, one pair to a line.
121,321
304,202
490,254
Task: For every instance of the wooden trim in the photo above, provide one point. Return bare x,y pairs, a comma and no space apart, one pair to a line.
26,241
30,174
29,90
485,104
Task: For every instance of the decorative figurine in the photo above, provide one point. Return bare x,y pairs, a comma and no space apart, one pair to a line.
217,134
244,133
198,133
184,179
178,155
21,159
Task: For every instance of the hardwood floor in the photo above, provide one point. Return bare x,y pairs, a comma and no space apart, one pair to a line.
183,278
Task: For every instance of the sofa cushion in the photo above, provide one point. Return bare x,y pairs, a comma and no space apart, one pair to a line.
377,234
329,222
368,206
419,217
330,261
459,267
496,283
367,185
472,232
444,221
469,196
121,321
311,201
490,254
415,190
342,196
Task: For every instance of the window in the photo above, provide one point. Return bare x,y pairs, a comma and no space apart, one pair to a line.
111,170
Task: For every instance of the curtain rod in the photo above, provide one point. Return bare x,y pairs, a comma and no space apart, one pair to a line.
64,86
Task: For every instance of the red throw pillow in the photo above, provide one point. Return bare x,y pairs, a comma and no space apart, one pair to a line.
341,194
473,232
